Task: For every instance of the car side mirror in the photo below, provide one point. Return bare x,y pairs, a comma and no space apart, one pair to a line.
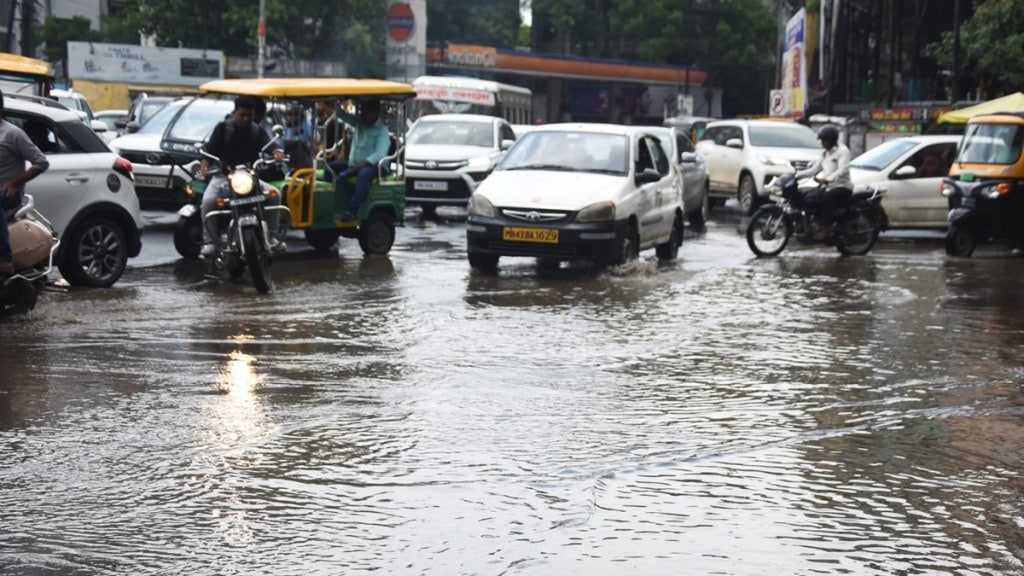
688,157
907,171
120,124
98,126
133,127
647,176
507,143
734,143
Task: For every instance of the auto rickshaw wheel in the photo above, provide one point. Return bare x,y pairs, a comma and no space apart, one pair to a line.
377,234
322,240
960,240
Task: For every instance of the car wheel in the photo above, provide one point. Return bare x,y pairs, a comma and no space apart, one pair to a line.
483,262
629,248
377,234
960,240
96,255
670,250
747,195
698,218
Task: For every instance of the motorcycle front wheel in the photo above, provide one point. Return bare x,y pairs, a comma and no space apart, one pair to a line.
258,259
960,240
859,235
768,232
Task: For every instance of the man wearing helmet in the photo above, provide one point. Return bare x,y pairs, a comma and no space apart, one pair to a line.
832,171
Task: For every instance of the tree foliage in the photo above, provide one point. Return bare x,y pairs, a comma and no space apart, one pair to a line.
991,45
486,22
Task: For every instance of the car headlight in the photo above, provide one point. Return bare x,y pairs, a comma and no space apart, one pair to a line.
480,206
773,161
241,182
479,163
599,212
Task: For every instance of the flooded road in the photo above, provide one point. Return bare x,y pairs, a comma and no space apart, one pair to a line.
725,415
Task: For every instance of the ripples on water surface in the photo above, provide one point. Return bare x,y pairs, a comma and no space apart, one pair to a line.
803,415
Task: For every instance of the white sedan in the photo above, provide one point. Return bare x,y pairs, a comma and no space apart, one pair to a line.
911,169
597,192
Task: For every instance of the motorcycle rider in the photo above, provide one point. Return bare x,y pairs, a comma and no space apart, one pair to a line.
236,141
15,149
832,171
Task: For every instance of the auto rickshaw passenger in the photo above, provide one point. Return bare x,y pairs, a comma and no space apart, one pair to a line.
236,141
370,143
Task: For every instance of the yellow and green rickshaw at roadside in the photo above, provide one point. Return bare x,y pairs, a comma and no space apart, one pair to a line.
313,197
24,75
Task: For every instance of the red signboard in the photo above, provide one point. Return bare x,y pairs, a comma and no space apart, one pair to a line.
400,21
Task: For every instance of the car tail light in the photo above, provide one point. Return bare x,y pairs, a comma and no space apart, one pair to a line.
123,167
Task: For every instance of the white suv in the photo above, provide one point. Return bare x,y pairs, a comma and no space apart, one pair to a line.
744,155
87,193
448,155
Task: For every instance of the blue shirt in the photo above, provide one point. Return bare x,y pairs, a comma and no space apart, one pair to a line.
369,143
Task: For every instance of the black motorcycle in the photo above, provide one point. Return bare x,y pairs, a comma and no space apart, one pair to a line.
857,223
243,238
985,210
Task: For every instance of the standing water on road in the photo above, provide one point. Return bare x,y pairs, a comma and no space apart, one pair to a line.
808,414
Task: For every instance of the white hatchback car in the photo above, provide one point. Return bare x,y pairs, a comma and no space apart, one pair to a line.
448,155
87,193
745,155
597,192
911,170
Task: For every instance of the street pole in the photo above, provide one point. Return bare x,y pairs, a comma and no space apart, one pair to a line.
954,89
261,31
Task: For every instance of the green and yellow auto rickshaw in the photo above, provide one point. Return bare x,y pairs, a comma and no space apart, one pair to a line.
315,199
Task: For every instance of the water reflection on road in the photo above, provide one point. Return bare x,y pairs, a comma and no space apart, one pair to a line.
800,415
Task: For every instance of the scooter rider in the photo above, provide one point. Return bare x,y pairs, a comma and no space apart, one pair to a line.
237,140
832,171
15,149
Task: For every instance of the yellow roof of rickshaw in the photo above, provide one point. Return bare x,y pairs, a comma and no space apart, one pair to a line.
309,87
1006,118
16,64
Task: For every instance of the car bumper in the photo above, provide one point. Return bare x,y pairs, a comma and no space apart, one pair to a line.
157,189
598,242
440,188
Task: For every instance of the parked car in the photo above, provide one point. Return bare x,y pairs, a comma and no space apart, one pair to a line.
142,108
158,182
87,193
911,170
744,155
597,192
694,173
448,155
73,100
110,118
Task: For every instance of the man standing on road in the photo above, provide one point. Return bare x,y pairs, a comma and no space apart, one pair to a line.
236,141
15,149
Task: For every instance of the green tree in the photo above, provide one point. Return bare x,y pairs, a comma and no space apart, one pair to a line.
485,22
56,32
991,45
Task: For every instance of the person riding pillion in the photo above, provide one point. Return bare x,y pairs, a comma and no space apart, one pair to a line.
370,143
236,141
15,150
832,171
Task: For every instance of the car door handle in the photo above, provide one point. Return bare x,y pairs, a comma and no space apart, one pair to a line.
76,179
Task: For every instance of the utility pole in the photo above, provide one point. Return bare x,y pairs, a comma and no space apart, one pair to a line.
261,31
954,89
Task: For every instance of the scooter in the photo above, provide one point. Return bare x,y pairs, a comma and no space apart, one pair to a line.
33,244
857,223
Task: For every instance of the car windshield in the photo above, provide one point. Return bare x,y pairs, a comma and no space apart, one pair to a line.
569,151
882,155
149,108
198,120
462,133
783,136
991,143
158,123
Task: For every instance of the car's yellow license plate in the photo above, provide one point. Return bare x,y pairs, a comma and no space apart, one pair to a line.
542,235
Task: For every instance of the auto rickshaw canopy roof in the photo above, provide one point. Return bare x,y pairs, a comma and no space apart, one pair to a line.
16,64
320,88
1009,103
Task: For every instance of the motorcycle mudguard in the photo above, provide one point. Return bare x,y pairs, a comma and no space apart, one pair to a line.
247,220
188,210
960,214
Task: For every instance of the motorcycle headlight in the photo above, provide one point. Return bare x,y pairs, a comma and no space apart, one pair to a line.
599,212
480,206
241,182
